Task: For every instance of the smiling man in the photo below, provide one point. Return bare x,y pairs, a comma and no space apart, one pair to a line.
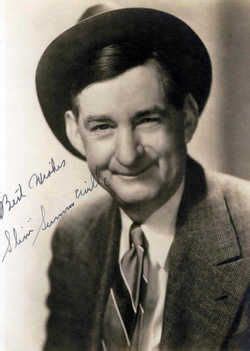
162,264
134,136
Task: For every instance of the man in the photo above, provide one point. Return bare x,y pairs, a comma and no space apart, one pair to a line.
162,264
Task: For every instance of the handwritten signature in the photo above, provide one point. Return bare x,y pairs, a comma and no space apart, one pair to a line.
15,238
87,188
1,209
46,224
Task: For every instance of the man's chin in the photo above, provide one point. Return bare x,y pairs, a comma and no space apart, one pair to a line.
133,195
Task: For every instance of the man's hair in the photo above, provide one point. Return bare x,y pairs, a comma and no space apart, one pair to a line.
113,60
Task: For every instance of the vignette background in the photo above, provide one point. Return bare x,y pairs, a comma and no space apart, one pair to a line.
222,141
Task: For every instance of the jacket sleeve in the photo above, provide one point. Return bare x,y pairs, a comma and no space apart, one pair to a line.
61,329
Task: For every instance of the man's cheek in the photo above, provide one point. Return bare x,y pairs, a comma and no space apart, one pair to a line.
160,142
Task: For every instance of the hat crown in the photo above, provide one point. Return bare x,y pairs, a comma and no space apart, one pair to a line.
96,10
103,25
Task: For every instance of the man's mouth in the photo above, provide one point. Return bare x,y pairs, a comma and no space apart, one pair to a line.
130,175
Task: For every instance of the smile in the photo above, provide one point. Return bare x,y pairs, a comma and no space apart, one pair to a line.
134,174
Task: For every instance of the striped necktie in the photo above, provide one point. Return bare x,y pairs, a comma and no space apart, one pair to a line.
123,316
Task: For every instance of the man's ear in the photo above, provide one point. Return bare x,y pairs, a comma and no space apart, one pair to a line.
191,116
72,131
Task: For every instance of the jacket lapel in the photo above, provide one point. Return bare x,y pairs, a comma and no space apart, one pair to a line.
207,275
108,231
93,263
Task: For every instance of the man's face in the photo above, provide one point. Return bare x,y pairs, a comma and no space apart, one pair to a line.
132,137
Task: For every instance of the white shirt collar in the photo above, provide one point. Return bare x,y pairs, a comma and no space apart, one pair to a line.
159,229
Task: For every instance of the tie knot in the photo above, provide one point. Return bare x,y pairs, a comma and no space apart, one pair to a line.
136,235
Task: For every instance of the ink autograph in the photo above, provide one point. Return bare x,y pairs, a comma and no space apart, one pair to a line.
15,238
9,202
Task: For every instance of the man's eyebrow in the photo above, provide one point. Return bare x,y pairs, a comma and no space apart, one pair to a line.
96,118
150,111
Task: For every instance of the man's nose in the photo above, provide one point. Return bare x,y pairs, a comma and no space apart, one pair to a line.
127,147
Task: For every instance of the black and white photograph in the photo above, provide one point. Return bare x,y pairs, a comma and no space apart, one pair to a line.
124,191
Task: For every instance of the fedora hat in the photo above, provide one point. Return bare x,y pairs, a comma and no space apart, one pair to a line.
101,26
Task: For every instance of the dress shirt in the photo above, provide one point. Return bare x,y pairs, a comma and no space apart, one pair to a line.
159,230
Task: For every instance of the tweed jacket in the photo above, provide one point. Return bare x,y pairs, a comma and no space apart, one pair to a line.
208,292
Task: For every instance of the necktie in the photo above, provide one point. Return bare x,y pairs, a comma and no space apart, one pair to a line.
123,316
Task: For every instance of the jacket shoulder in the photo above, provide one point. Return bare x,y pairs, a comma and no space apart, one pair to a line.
236,191
236,194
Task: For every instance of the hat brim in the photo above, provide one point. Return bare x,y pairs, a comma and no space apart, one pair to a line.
55,71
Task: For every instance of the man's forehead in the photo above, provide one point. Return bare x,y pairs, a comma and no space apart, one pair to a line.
140,85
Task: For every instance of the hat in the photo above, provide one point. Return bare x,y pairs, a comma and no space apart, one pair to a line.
101,26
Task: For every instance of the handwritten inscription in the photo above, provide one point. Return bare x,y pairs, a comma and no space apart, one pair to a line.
8,202
87,188
39,178
1,209
16,238
46,224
